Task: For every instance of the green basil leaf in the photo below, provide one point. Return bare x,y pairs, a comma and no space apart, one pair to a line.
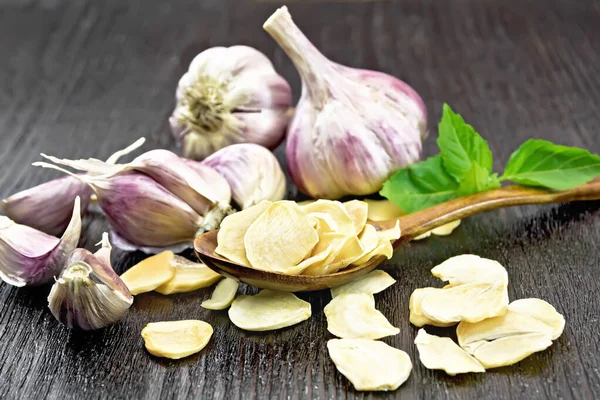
420,185
460,145
542,163
477,179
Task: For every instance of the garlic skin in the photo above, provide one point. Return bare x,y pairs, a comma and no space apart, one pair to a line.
253,173
31,257
352,128
89,294
47,207
230,95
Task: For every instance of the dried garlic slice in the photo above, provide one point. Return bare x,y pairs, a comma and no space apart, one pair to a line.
338,212
223,295
350,250
325,223
542,311
416,314
443,230
176,339
358,211
469,268
423,236
382,210
442,353
471,302
189,276
149,273
268,310
280,238
373,282
368,238
230,238
511,349
509,324
390,234
370,364
353,315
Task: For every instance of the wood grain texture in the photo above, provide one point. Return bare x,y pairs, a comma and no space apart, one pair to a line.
84,78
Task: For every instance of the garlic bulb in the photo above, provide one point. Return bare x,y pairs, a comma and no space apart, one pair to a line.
253,173
352,128
31,257
230,95
89,294
48,207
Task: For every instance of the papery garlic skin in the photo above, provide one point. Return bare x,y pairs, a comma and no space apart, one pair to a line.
352,128
253,173
31,257
47,207
230,95
89,294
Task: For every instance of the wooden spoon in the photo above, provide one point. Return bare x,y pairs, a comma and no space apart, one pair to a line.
412,225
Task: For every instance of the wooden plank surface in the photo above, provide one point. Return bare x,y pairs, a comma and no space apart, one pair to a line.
84,78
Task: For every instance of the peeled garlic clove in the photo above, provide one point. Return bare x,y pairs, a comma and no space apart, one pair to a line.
31,257
358,211
469,268
337,211
176,339
47,207
417,318
373,282
230,95
382,210
149,274
89,294
268,310
542,311
280,238
509,324
511,349
353,315
230,238
223,295
252,171
142,212
189,276
352,128
442,353
470,302
370,364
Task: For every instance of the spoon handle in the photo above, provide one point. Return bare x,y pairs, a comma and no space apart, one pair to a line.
417,223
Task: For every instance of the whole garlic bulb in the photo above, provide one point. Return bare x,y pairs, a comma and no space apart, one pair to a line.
352,128
253,173
230,95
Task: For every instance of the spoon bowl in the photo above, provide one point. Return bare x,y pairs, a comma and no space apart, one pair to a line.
411,225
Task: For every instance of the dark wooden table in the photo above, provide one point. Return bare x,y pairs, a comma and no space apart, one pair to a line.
84,78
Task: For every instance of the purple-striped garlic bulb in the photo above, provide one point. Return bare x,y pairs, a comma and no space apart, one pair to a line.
351,128
230,95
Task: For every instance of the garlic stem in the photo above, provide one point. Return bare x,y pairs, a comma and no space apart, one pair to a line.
310,63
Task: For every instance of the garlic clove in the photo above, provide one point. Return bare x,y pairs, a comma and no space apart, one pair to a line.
47,207
88,294
176,339
353,315
189,276
252,171
223,295
442,353
228,96
373,282
351,128
31,257
149,274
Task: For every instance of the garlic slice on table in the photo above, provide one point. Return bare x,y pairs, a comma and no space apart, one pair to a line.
443,230
370,364
510,350
374,282
442,353
353,315
417,318
268,310
469,268
176,339
542,311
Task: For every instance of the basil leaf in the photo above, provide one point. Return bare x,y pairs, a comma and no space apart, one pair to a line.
477,179
542,163
420,185
460,146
